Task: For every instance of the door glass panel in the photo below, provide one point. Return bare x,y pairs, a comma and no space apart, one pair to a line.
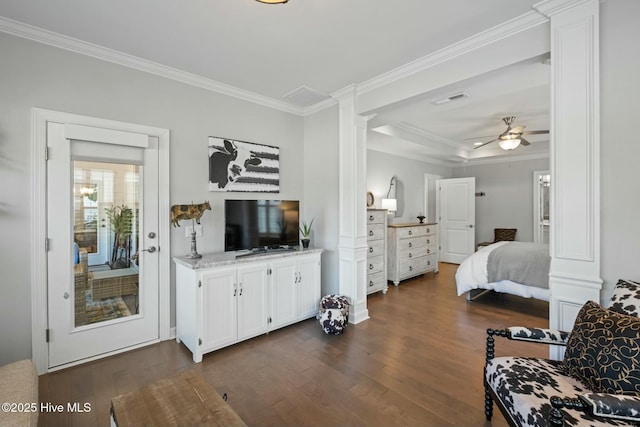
106,227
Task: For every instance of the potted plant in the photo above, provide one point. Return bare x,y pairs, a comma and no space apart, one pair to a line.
305,232
121,220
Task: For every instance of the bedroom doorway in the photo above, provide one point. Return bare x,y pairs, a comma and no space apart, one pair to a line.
541,219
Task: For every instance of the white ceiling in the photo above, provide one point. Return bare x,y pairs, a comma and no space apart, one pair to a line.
324,45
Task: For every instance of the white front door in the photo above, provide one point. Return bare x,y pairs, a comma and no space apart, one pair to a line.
102,222
457,217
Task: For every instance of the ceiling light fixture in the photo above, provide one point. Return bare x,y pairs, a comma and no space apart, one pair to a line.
509,144
273,1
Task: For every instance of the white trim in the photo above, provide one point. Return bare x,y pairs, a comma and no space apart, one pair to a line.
39,119
51,38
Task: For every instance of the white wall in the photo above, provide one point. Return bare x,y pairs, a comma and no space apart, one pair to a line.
321,188
35,75
620,146
410,173
508,200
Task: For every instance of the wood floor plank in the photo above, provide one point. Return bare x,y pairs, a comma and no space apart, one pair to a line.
418,361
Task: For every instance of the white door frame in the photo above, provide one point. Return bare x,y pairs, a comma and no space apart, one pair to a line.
39,318
537,233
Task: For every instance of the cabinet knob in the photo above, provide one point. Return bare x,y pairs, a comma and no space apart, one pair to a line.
410,232
410,244
428,262
428,250
370,217
428,241
410,268
410,255
370,282
370,232
370,249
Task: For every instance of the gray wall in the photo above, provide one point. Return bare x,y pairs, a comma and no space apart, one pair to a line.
620,148
410,173
508,200
35,75
321,188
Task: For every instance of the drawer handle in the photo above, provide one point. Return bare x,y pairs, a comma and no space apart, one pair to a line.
370,282
410,232
410,244
370,217
370,268
428,230
410,268
370,249
410,255
370,232
428,262
428,250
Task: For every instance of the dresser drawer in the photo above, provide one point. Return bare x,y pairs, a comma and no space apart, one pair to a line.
375,231
376,247
415,266
375,264
408,254
376,282
376,217
406,232
414,243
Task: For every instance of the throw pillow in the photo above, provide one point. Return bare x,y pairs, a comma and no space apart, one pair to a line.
603,350
626,298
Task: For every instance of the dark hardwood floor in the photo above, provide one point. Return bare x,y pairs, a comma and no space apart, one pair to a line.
417,362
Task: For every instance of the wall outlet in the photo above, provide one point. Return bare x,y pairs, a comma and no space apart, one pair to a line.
188,229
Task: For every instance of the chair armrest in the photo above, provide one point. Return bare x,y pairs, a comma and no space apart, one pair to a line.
541,335
611,406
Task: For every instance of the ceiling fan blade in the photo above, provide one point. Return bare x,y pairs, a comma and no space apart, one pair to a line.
482,145
535,132
517,129
524,141
479,137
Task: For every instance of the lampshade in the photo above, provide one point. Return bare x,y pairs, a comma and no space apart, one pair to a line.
389,204
509,144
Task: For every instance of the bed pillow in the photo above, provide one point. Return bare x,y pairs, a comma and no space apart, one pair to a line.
603,351
626,298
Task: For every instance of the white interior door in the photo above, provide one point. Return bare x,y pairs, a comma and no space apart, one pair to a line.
457,217
102,196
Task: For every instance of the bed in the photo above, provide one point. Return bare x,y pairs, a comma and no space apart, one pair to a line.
517,268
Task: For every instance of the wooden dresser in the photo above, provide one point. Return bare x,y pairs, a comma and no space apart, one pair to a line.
412,250
377,251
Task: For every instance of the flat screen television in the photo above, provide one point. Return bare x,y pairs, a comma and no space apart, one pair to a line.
260,224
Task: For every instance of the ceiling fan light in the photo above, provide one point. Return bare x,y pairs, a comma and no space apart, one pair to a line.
273,1
509,144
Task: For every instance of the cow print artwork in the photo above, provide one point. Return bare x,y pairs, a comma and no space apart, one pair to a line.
243,166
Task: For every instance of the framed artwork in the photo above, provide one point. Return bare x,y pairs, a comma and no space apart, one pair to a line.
243,166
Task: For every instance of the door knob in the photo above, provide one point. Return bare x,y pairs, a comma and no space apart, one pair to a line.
66,295
150,249
470,225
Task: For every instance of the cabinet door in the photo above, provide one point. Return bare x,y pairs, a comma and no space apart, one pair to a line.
308,286
252,300
219,308
283,294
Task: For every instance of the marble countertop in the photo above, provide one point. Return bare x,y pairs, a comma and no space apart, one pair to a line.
220,259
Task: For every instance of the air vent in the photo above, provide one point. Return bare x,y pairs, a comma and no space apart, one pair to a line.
304,96
450,98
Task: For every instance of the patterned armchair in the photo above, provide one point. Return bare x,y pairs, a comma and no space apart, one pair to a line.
501,235
599,376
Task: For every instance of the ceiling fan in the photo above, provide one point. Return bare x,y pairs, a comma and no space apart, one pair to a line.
510,138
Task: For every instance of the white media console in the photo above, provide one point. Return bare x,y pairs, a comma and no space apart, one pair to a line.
223,298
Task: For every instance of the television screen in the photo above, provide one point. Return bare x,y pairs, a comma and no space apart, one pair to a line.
258,224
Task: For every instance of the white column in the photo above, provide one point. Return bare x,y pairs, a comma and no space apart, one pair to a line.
352,245
575,158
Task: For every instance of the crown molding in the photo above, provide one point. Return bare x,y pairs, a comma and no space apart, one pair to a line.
549,8
51,38
506,29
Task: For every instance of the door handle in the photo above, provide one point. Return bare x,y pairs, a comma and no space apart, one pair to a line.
470,225
150,249
66,295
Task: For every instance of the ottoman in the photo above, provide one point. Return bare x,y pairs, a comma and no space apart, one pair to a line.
334,314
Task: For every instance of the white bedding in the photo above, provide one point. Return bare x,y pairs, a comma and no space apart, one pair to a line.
472,274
